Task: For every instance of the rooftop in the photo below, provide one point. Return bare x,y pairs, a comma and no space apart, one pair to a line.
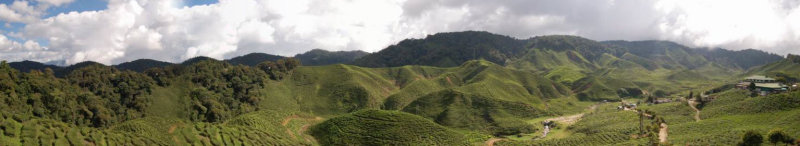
759,77
770,85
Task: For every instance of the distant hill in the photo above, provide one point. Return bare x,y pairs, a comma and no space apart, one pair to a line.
694,57
253,59
446,50
583,64
27,66
323,57
67,70
141,65
788,68
744,59
196,60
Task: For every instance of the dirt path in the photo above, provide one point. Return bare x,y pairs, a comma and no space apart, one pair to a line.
697,111
492,140
172,128
567,120
571,119
546,130
302,128
289,118
662,133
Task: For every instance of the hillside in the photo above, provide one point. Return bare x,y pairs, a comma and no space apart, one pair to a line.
27,66
318,57
445,50
204,91
378,127
253,59
459,88
722,121
593,69
788,69
140,65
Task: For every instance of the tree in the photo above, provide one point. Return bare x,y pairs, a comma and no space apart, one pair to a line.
776,135
752,138
691,94
650,99
660,93
699,99
752,86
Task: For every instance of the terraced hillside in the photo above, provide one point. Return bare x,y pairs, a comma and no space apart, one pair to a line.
208,101
595,70
460,88
723,121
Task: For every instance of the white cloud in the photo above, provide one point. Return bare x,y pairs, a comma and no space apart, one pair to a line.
130,29
736,24
167,30
56,2
29,50
19,11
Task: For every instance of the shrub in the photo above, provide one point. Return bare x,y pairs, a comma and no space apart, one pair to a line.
752,138
776,135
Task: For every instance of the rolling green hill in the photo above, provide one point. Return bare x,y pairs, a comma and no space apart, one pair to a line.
140,65
379,127
578,62
459,88
788,69
253,59
204,91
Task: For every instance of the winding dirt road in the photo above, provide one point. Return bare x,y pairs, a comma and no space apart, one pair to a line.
492,140
697,111
662,133
302,128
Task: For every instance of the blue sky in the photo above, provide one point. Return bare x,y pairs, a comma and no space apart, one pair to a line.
77,6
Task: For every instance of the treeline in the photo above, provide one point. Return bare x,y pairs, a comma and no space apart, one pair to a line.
446,50
97,95
93,95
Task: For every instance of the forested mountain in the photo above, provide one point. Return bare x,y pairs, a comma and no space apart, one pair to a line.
141,65
743,59
451,49
597,70
323,57
446,50
253,59
27,66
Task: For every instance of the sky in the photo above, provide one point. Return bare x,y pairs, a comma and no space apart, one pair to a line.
116,31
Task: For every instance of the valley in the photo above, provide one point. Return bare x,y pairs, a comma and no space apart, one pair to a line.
456,88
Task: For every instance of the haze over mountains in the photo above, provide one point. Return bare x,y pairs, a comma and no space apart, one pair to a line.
457,47
591,68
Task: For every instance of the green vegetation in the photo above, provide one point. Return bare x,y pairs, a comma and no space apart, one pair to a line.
472,86
317,57
752,138
472,112
379,127
776,136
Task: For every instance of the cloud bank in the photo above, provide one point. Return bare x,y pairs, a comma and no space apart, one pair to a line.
167,30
